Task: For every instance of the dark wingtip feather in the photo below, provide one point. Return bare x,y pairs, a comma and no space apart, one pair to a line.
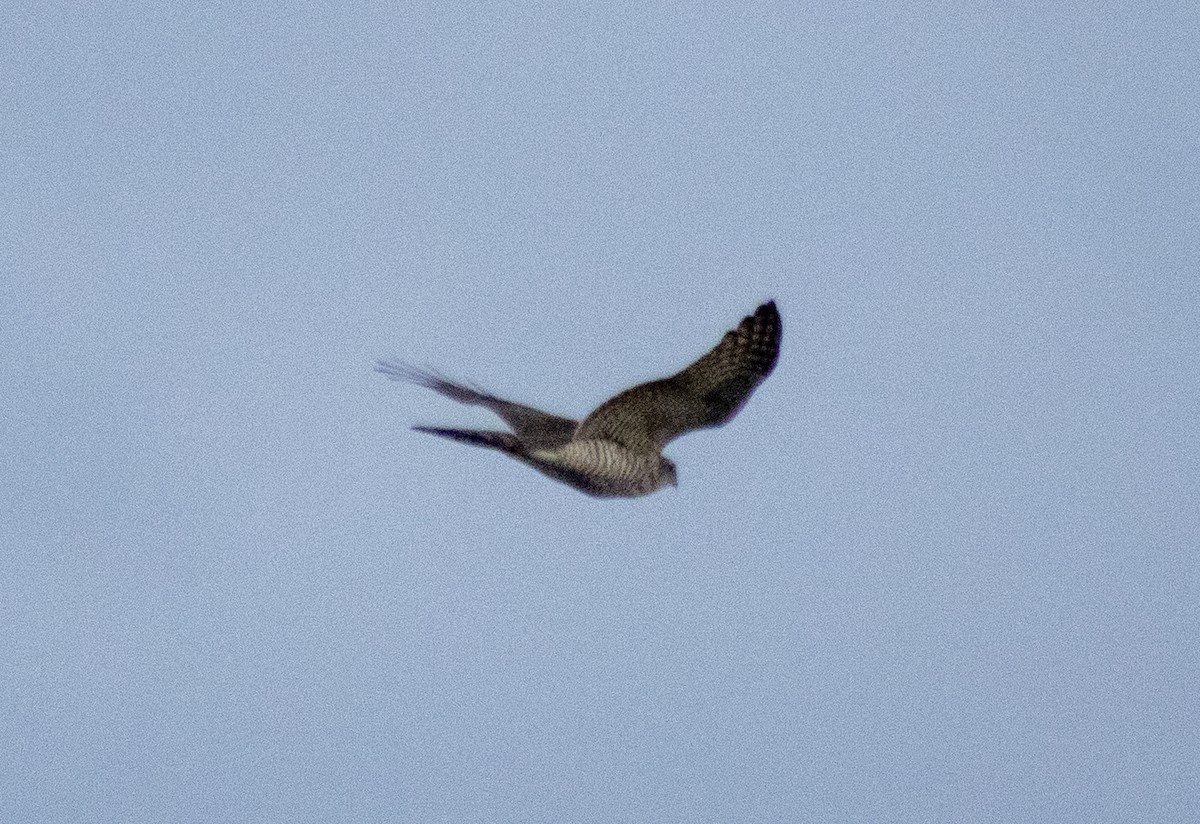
399,370
765,328
504,441
768,312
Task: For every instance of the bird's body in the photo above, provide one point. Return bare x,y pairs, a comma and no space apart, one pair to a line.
617,449
604,468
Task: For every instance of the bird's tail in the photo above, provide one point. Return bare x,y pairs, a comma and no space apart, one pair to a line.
504,441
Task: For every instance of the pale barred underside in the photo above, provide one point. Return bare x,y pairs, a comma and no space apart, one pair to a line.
600,467
616,450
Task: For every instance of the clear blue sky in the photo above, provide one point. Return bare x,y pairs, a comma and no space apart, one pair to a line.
942,568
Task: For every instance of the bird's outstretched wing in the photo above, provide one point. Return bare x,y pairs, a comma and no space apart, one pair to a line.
707,393
535,429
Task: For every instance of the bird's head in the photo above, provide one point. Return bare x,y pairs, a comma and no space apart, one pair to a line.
666,473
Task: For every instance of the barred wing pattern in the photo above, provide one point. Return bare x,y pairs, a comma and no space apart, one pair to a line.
707,393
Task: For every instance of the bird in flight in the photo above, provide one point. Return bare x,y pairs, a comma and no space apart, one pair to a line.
616,451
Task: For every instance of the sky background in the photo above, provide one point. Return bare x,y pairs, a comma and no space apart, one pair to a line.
941,568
